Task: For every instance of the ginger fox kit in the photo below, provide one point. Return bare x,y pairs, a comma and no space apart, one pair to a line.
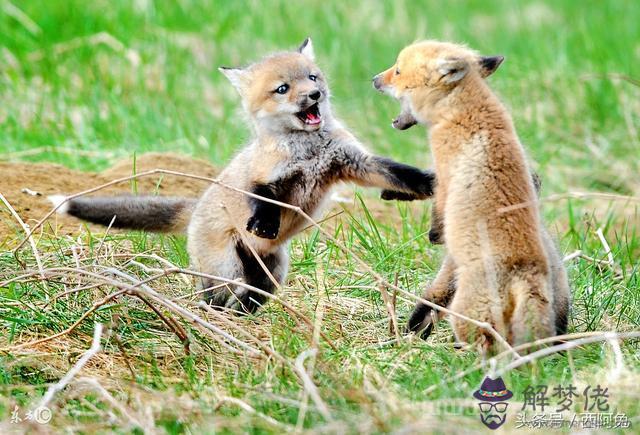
299,152
501,265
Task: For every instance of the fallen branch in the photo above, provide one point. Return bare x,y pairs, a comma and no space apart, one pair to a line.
605,245
570,195
565,346
59,386
309,386
28,232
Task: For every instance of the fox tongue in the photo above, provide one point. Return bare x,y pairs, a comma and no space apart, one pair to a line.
312,117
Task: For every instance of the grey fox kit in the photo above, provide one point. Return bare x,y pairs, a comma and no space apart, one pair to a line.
299,152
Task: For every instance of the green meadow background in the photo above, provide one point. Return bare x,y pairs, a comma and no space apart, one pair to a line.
121,77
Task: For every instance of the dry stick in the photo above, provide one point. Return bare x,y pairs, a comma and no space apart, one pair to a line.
578,254
168,320
391,310
29,234
520,347
565,346
570,195
59,386
574,254
68,292
321,221
618,76
104,237
374,274
159,259
25,278
607,249
309,386
619,359
302,411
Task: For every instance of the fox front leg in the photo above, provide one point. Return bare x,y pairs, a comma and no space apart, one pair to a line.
375,171
404,178
265,218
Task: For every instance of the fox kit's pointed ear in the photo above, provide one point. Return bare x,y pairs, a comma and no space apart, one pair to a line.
453,69
488,64
306,48
237,76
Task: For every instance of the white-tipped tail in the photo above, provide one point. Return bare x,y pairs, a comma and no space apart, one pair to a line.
56,200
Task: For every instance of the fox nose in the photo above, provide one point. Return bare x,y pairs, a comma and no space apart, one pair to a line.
377,81
315,96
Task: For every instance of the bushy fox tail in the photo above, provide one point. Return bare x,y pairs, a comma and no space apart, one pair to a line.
149,213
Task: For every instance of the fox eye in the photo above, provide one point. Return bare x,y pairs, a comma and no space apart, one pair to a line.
313,78
282,89
397,71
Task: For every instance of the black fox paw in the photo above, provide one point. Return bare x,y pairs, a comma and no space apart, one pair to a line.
421,321
428,184
435,237
263,228
391,195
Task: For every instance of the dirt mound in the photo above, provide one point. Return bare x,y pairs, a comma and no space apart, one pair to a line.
27,185
164,184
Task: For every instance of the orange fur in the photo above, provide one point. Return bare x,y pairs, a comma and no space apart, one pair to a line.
507,271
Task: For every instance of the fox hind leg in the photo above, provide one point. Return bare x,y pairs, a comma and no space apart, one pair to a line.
241,263
532,317
440,292
477,296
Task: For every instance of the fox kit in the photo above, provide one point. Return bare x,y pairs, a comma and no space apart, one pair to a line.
299,152
501,265
487,65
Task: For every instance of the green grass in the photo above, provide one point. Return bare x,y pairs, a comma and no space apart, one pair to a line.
568,79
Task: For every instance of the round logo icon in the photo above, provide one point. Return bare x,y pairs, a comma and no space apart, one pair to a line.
42,415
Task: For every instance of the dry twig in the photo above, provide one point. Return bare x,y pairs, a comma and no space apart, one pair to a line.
59,386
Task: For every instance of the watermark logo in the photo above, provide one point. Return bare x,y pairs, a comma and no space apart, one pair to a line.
41,415
493,396
538,410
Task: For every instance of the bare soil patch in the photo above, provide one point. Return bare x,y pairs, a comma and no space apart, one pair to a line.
49,179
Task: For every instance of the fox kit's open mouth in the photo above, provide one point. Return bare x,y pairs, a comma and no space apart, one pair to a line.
404,121
311,115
